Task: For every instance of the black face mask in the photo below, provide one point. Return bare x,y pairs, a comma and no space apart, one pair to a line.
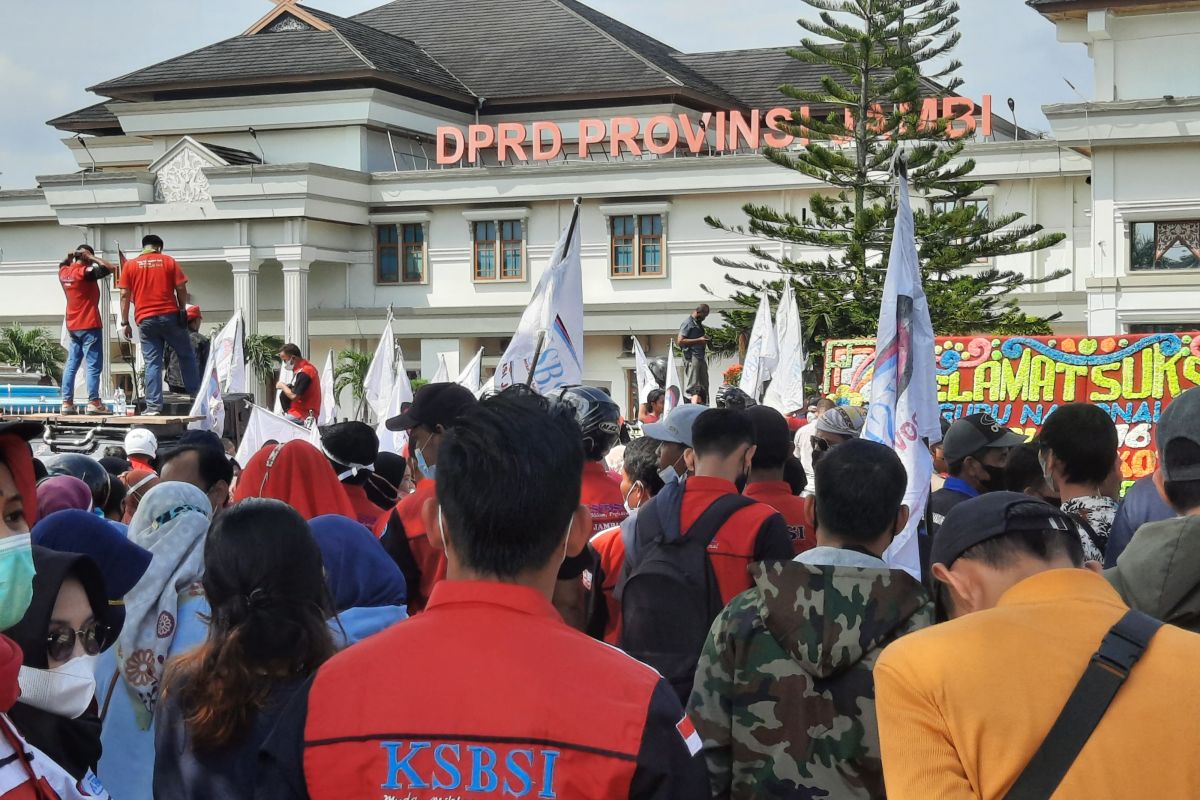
995,479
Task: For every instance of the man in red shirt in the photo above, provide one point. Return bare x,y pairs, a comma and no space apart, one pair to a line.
301,398
767,484
485,684
434,411
157,287
79,275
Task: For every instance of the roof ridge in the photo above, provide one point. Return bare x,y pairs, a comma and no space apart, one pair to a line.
740,50
342,38
648,62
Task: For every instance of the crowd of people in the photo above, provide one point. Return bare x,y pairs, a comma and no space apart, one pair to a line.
538,600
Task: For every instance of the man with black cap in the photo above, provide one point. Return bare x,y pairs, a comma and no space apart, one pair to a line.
198,458
1038,650
434,410
352,448
1157,572
976,449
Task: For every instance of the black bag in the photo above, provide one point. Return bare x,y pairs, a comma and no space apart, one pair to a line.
1120,650
668,591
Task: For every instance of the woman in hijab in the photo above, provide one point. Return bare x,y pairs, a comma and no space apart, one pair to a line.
137,483
121,562
368,588
262,577
164,615
61,634
298,474
59,492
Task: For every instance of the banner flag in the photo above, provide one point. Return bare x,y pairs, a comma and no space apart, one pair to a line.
263,427
903,410
472,375
674,387
645,378
230,358
551,328
209,405
762,353
402,395
329,409
443,371
381,375
786,392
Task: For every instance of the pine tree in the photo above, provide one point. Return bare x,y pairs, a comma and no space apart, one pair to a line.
868,106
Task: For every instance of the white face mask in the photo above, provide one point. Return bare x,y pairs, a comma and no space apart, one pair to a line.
628,508
670,474
66,690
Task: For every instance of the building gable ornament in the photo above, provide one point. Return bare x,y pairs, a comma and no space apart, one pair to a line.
179,173
287,22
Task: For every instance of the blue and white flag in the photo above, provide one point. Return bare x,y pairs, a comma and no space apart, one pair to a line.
208,405
553,319
903,413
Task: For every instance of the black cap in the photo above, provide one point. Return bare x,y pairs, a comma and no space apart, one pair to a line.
350,443
991,515
201,439
973,433
434,404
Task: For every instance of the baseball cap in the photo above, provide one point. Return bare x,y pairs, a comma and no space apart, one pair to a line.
1180,420
193,311
142,442
677,427
973,433
991,515
434,404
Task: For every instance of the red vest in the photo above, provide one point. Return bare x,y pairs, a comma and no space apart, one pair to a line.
308,401
487,694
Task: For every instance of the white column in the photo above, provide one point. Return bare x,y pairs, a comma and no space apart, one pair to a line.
295,301
245,288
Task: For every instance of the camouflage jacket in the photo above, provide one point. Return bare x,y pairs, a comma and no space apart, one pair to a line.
783,699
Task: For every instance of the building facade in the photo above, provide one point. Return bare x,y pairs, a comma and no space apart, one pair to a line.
294,172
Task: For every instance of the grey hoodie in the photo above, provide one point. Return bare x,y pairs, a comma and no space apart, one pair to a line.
1159,572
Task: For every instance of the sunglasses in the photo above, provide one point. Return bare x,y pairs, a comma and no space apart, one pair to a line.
820,445
60,643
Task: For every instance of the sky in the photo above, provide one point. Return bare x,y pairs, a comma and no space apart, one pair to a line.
1007,50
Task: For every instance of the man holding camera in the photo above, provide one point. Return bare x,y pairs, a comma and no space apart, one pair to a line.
157,288
80,274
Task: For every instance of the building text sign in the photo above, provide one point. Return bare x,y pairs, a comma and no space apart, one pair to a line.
1021,380
663,134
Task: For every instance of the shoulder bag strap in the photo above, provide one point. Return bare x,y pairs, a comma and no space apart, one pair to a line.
1123,645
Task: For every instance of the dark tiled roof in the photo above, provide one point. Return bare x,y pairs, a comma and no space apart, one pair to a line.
349,48
507,50
93,119
754,76
232,155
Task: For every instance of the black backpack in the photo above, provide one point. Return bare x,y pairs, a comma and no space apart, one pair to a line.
668,591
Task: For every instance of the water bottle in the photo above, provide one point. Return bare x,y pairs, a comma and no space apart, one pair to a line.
119,402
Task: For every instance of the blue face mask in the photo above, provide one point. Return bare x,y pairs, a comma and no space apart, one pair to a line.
426,469
16,579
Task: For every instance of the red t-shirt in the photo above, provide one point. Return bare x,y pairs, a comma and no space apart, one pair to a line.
745,537
610,551
602,495
83,297
778,495
151,280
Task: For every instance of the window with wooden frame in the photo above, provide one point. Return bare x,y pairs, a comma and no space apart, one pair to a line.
412,236
387,255
499,249
400,255
636,245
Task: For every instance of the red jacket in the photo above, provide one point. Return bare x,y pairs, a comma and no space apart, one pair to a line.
602,495
485,695
402,533
778,495
308,401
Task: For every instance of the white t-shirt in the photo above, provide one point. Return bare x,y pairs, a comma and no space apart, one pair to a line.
804,452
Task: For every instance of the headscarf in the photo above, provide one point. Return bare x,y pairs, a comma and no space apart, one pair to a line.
298,474
138,482
74,744
843,421
115,466
60,492
171,523
16,455
121,562
360,573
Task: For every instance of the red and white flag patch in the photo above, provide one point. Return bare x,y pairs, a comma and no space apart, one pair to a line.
690,737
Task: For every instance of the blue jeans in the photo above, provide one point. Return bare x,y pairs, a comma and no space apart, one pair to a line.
84,347
157,332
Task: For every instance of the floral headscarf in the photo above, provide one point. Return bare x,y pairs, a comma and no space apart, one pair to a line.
171,523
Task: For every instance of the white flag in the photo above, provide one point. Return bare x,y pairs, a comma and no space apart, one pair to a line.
377,388
329,409
762,353
443,371
472,375
287,376
786,392
674,387
555,318
228,356
208,405
402,394
904,408
645,378
262,427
